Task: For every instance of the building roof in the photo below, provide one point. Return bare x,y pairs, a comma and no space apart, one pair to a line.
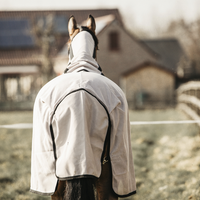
169,52
20,57
80,15
23,49
101,22
15,33
147,64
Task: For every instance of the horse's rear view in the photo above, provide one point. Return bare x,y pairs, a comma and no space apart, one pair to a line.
81,132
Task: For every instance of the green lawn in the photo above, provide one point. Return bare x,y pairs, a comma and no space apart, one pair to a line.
15,148
166,157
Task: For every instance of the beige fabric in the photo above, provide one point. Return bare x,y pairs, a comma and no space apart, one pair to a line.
80,124
73,104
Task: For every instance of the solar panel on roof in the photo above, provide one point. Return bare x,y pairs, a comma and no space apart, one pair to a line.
15,33
14,25
60,24
16,41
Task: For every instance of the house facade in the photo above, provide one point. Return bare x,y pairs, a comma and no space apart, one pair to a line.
146,70
149,86
172,57
27,51
120,52
19,65
132,64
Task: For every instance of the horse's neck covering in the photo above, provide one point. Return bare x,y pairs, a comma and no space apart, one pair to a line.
82,46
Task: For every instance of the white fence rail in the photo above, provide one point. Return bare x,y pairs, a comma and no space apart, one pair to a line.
30,126
188,97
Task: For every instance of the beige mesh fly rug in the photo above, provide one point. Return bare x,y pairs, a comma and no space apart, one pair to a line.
73,115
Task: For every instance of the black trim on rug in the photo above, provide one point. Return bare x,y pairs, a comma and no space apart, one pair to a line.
76,177
107,138
126,195
109,122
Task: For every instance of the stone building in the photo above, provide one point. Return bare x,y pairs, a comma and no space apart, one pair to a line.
22,50
120,52
149,85
145,70
148,71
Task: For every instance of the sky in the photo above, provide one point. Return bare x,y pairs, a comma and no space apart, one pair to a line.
147,15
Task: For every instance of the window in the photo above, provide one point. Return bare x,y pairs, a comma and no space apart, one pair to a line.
114,41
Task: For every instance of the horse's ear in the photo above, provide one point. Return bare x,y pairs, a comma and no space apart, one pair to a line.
91,23
72,26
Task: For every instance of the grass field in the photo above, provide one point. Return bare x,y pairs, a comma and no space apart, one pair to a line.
15,148
166,157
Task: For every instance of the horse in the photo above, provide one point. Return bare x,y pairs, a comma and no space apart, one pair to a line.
86,188
81,146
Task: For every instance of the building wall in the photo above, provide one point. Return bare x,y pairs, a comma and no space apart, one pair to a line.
149,85
131,53
18,90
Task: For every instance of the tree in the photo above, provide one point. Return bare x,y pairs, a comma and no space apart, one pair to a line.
44,30
189,36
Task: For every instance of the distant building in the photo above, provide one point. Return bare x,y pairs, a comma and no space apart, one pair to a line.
148,71
172,57
153,84
149,85
19,65
145,70
21,53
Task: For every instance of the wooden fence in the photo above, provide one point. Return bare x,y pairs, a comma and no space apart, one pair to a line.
188,97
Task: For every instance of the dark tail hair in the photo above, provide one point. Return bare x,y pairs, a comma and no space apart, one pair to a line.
80,189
